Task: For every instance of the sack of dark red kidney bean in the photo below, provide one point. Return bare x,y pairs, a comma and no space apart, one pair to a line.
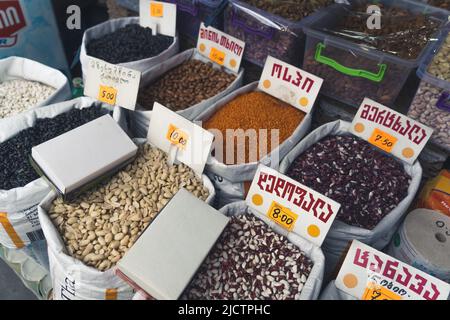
21,188
374,189
261,263
26,84
187,83
124,42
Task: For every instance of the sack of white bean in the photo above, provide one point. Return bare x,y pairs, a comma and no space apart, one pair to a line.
26,84
88,235
123,42
431,105
374,190
21,188
299,277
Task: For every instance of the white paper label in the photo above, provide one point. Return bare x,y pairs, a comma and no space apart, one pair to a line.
292,205
111,83
220,47
290,84
159,15
171,132
368,274
390,131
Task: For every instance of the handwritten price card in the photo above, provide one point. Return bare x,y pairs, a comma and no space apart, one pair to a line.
291,205
168,129
390,131
290,84
220,47
369,274
112,84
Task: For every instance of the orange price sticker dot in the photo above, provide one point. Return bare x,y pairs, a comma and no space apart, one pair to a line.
383,140
377,292
177,137
282,216
156,10
107,95
217,56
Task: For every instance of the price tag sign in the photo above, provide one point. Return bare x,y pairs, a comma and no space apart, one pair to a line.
390,131
369,274
107,95
291,205
112,84
158,15
168,129
177,137
290,84
283,216
220,47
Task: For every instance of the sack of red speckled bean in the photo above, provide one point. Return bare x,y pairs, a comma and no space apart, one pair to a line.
187,83
26,84
124,42
374,190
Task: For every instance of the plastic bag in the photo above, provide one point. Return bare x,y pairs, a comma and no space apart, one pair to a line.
436,194
341,234
18,207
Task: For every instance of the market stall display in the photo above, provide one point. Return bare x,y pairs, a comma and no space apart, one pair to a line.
357,62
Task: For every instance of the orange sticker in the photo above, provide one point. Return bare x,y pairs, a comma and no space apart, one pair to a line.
383,140
111,294
217,56
156,10
282,216
377,292
177,137
15,238
107,95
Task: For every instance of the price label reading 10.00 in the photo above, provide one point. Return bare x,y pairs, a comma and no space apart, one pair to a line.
107,95
383,140
282,216
177,137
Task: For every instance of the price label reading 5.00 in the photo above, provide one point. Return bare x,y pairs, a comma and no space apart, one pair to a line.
383,140
282,216
107,95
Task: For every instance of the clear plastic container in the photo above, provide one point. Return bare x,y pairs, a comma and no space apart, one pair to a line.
431,104
265,33
352,71
191,13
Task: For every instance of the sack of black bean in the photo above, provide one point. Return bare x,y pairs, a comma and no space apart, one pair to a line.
26,84
187,83
124,42
21,188
374,189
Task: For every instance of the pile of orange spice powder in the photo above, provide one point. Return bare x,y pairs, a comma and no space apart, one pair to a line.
255,110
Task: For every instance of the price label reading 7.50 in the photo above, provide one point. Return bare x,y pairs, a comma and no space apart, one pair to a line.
282,216
383,140
107,95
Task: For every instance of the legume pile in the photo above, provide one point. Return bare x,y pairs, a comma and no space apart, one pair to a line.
185,86
250,261
102,224
20,95
291,10
367,183
15,168
424,107
254,110
403,33
444,4
130,43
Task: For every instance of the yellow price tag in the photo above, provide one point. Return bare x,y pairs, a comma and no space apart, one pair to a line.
107,95
156,10
383,140
282,216
177,137
217,56
377,292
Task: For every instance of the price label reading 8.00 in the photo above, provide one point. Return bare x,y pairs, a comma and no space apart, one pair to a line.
282,216
107,95
377,292
383,140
